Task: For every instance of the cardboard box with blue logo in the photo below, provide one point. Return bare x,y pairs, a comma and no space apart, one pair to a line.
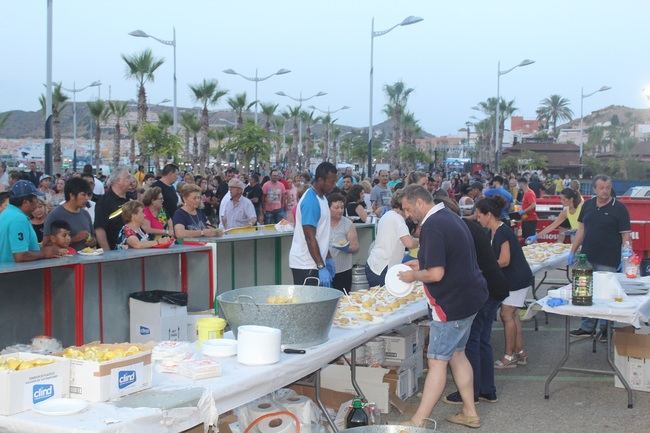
106,380
31,384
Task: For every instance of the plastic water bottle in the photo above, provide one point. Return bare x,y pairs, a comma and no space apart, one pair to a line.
626,254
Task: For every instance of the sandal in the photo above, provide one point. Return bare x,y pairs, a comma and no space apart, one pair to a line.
508,361
466,420
522,357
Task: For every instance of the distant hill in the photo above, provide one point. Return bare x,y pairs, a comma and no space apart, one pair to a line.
637,115
30,124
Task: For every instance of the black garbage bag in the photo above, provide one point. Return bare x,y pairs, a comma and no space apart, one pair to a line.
154,296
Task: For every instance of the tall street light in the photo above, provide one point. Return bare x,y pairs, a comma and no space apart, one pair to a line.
373,34
300,100
141,34
582,100
74,92
256,79
47,151
329,114
497,143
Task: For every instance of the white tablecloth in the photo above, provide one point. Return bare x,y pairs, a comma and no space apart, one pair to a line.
557,261
238,385
601,309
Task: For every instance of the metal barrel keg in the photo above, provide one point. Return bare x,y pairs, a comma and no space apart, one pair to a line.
359,281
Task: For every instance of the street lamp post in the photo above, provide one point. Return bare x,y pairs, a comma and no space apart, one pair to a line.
329,114
582,100
256,80
373,34
300,100
47,151
497,143
74,92
172,43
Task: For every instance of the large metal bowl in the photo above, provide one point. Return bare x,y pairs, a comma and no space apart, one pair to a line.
388,429
305,323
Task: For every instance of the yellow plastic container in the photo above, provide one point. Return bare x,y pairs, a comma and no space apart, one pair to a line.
209,328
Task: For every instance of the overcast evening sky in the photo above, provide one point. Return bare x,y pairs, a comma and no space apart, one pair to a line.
450,58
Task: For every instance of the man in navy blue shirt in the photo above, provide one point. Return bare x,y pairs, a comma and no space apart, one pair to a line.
497,188
455,289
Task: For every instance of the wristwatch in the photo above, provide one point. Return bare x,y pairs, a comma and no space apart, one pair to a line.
319,267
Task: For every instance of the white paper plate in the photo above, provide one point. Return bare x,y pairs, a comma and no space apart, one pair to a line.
220,348
60,406
394,285
97,252
624,304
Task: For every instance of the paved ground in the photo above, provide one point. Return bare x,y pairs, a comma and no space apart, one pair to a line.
578,402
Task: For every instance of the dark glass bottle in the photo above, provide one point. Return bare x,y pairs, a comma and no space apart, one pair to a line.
357,417
583,282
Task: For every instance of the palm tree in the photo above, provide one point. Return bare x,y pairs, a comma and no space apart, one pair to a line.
206,92
165,120
132,129
99,113
398,96
59,102
118,110
308,119
278,124
141,67
556,107
506,109
294,113
239,104
327,123
268,110
192,126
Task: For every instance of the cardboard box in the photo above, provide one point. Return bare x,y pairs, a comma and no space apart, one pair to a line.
157,321
330,398
401,343
423,332
382,386
21,390
101,381
632,357
192,319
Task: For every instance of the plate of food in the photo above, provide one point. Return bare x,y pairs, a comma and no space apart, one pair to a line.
341,243
89,251
165,243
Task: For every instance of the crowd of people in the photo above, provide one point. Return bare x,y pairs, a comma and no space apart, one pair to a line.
456,235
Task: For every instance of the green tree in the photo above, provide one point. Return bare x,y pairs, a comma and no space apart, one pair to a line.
278,137
308,120
553,108
117,109
158,141
239,104
206,92
141,68
397,95
411,155
489,108
59,102
99,113
248,141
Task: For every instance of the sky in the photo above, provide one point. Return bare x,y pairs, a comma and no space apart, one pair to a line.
450,58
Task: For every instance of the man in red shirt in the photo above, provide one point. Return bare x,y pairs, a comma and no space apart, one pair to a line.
527,212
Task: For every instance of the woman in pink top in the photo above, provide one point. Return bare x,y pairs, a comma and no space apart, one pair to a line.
155,218
291,200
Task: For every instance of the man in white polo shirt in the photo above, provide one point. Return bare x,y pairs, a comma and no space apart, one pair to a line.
311,236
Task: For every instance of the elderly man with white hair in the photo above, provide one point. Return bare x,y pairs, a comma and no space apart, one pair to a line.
238,211
107,228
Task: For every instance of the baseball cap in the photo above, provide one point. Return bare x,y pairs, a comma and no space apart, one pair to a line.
44,176
24,188
235,183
